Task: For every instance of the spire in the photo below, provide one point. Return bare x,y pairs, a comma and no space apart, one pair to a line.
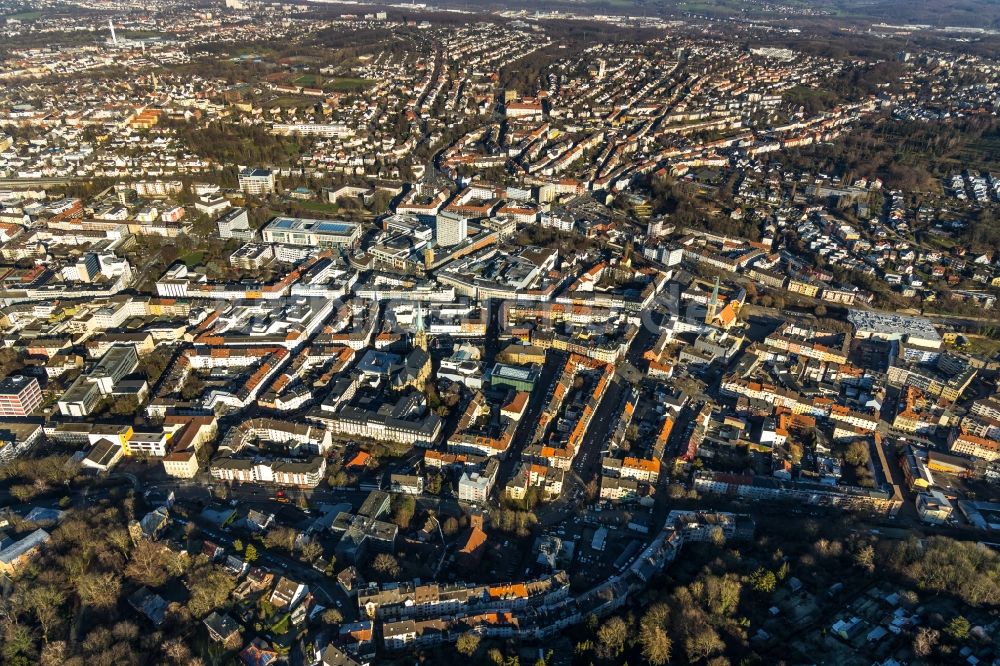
713,304
418,322
420,330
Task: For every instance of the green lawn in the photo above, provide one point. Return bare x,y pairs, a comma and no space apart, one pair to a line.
140,34
702,7
26,16
318,206
286,102
193,258
307,81
345,84
328,85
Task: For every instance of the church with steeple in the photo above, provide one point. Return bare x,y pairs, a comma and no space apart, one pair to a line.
416,368
726,316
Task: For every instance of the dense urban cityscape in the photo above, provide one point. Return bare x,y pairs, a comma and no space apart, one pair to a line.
343,333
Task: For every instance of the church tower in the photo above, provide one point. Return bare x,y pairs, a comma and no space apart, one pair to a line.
420,330
713,305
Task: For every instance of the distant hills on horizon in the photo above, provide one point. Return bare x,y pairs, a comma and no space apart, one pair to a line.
937,13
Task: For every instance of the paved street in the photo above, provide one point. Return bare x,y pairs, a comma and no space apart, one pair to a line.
554,362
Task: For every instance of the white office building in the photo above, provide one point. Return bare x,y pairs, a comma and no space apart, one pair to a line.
235,224
451,230
311,233
257,182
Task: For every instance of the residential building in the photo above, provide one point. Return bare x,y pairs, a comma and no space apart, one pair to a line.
222,629
19,395
408,484
617,490
293,473
257,182
475,487
333,656
977,447
288,593
181,464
